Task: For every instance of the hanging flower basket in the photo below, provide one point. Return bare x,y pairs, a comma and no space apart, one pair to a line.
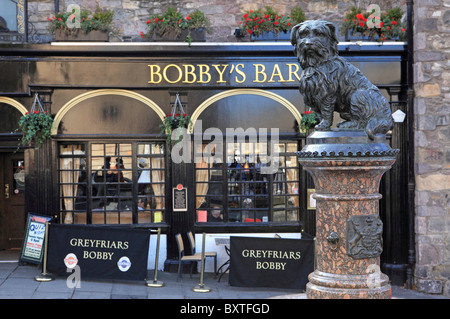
174,121
36,126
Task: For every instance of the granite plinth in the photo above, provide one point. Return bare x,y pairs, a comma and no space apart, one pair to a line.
347,167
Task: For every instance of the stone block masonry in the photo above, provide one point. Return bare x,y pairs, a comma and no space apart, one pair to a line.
131,15
432,143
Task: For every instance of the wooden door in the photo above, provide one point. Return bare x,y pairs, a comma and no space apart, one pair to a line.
12,200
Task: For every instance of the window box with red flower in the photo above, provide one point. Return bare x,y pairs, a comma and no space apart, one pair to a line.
367,26
268,25
91,27
173,26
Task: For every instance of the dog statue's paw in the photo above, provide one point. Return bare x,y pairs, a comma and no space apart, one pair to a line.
323,125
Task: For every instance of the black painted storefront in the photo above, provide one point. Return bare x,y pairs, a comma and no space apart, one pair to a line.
119,93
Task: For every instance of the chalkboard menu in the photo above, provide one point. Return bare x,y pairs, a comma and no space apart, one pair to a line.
33,244
179,198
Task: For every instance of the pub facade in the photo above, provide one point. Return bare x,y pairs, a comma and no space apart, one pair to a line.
109,163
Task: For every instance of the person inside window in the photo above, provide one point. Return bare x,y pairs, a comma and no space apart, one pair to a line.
216,214
117,170
142,203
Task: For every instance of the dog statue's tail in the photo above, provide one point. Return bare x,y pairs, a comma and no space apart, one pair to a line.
381,120
371,105
377,126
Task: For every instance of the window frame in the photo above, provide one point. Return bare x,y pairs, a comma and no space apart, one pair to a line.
17,35
88,156
230,226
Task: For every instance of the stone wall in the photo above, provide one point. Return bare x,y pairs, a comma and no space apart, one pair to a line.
225,15
432,145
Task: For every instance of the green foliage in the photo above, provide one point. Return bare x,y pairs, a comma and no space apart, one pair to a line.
309,120
173,22
297,15
387,26
36,128
264,20
100,20
171,123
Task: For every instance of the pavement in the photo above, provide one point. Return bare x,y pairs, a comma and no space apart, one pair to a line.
17,281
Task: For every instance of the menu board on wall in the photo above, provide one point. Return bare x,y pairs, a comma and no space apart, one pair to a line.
179,198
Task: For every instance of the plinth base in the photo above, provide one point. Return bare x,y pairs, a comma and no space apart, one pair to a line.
332,286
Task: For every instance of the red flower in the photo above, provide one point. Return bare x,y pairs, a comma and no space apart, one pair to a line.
156,20
148,21
246,15
361,24
308,112
403,29
359,16
394,22
276,23
250,31
188,18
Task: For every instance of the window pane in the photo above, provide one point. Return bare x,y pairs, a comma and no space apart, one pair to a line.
120,192
252,195
73,183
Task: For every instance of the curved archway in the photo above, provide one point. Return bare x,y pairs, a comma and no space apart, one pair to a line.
22,109
234,92
82,97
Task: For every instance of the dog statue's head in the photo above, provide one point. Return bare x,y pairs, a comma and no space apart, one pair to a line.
314,41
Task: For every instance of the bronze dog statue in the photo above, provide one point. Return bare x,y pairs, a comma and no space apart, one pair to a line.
330,83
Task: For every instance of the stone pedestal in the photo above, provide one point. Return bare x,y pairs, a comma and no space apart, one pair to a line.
347,167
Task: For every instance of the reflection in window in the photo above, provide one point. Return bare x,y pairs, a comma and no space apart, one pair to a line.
125,186
250,195
72,181
19,176
12,20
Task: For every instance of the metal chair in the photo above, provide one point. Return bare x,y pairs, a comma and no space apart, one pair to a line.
182,258
211,254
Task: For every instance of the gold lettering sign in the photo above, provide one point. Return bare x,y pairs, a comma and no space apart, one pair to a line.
223,73
98,243
270,254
